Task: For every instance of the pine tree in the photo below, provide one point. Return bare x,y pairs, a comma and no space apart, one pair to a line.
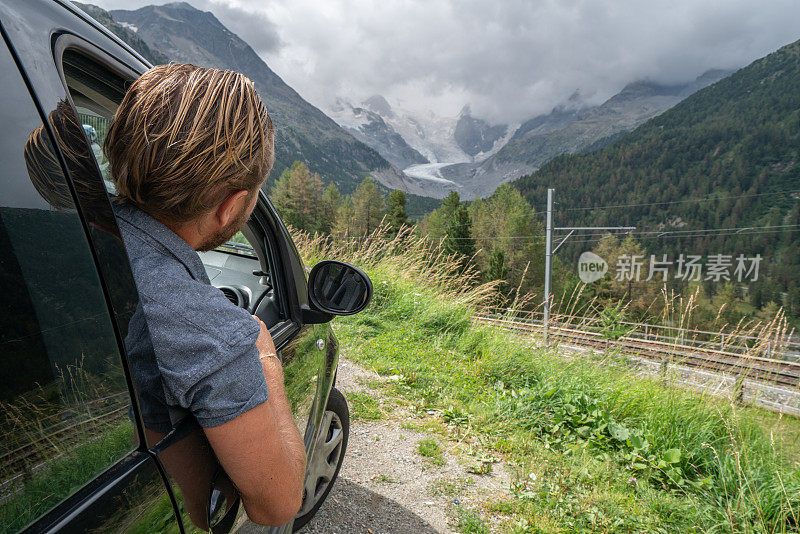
459,234
505,222
297,196
496,269
368,204
345,225
396,210
328,210
451,223
450,204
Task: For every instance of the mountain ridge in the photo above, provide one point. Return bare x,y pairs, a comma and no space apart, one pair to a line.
726,157
574,130
180,32
471,156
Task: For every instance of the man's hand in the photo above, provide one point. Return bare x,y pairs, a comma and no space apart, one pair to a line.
261,450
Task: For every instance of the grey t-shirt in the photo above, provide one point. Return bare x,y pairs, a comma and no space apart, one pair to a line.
188,345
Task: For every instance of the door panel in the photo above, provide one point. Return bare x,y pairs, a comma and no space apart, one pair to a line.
309,369
131,495
65,400
132,501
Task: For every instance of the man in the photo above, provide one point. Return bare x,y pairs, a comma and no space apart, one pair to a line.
189,149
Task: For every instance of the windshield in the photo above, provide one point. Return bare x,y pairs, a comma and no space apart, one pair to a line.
238,245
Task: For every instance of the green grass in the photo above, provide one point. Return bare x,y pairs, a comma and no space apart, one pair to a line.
610,451
469,522
593,446
363,407
431,450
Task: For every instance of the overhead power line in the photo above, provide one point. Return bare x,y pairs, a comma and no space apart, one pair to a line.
537,213
645,234
684,201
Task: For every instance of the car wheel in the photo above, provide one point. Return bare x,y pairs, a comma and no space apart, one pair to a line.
327,456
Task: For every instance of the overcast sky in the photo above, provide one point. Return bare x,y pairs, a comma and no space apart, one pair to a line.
508,59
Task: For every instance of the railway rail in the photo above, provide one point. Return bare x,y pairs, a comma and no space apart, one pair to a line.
42,444
776,369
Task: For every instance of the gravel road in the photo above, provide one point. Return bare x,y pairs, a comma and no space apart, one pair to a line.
386,486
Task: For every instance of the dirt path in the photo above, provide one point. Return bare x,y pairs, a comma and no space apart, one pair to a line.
386,485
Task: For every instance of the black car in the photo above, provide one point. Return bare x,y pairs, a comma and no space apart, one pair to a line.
75,456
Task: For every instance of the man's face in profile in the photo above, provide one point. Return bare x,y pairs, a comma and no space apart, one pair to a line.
228,231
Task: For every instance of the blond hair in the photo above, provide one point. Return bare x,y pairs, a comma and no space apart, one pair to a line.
184,137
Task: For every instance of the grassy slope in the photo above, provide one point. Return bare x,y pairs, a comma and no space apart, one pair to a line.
595,448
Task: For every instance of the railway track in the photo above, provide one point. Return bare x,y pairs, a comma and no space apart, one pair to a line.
18,462
784,374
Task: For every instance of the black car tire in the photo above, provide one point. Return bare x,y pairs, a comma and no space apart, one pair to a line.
335,428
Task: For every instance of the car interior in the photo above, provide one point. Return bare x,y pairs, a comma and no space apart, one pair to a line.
236,270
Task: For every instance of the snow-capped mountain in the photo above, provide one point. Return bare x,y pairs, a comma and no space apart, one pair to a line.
466,154
421,144
370,128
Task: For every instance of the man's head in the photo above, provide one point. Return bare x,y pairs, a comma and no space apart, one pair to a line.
191,147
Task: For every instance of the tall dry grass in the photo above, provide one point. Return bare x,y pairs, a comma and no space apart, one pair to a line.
406,255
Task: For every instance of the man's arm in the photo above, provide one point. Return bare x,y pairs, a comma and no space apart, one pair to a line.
262,451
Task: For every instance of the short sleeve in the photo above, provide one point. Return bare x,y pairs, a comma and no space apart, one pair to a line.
213,369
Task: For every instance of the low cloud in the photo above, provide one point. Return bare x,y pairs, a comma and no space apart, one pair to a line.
509,60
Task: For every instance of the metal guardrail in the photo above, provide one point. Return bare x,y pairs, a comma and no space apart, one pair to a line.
743,344
753,365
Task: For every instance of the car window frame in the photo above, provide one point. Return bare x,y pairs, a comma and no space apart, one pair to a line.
267,251
263,227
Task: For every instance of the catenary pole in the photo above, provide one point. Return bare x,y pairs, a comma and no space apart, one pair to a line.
548,258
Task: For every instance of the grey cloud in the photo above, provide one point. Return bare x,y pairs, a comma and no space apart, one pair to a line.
508,59
254,27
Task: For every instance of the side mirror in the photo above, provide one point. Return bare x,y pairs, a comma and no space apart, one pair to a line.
339,288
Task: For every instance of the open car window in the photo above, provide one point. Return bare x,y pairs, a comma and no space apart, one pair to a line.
243,268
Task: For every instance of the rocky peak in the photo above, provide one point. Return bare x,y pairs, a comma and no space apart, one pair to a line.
379,105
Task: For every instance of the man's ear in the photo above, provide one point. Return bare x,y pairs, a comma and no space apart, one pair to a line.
229,208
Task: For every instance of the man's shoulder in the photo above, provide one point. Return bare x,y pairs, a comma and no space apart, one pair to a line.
195,306
171,295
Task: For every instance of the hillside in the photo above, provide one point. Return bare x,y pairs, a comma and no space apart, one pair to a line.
574,128
180,32
736,142
102,16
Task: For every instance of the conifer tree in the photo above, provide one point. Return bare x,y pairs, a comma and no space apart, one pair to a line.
452,224
368,204
396,210
505,222
459,233
297,196
330,205
345,219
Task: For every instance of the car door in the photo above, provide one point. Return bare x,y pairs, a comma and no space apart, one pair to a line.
91,74
72,456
